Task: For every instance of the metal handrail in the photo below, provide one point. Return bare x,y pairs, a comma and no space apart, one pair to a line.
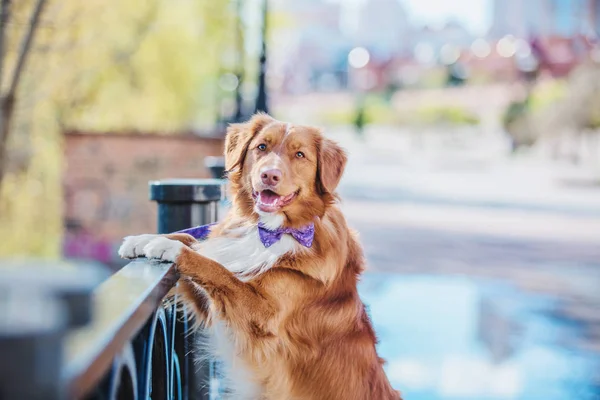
69,332
121,307
137,345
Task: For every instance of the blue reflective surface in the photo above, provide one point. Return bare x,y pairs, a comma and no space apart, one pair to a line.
458,338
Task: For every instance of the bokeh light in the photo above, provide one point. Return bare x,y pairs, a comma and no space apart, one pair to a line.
358,57
228,82
481,48
506,46
424,53
522,48
449,54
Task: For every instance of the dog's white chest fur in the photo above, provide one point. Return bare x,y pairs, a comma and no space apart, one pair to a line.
246,256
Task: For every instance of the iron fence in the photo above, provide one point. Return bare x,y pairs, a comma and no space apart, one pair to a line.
63,336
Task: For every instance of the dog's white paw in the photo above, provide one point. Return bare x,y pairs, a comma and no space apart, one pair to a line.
133,246
163,249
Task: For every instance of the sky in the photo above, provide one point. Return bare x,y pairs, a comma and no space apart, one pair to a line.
475,15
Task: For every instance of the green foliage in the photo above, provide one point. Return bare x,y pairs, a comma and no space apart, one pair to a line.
595,120
445,116
432,78
378,111
155,71
373,110
518,118
145,65
515,111
546,94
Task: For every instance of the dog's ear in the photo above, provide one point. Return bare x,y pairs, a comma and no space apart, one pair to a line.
331,164
238,138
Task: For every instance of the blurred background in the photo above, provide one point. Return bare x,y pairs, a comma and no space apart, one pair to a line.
473,128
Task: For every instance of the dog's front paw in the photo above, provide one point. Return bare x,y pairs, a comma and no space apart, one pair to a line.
163,249
133,246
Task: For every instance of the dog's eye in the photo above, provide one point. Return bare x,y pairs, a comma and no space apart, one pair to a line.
300,154
262,147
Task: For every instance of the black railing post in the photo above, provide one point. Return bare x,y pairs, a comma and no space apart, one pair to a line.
184,204
216,166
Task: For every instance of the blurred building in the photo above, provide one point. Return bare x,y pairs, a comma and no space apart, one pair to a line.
106,185
594,16
520,18
383,28
309,51
551,36
428,42
534,18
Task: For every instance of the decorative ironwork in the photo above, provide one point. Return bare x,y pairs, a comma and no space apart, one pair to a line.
142,340
123,340
132,336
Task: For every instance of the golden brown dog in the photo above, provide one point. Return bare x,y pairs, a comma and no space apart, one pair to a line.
276,281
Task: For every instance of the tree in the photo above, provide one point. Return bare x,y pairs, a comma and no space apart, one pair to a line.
8,99
134,65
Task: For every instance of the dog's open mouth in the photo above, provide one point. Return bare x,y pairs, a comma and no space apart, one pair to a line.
269,201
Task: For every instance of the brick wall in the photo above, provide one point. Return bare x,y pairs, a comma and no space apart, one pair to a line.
106,185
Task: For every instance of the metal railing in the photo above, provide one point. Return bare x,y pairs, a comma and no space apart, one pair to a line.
122,340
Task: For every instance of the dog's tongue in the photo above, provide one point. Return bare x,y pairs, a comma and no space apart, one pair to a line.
269,197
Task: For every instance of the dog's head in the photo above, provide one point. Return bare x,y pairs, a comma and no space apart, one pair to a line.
277,168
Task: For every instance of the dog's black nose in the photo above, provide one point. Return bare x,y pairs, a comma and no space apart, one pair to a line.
271,177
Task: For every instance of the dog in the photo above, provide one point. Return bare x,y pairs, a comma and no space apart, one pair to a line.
276,280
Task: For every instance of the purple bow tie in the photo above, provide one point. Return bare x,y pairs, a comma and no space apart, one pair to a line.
199,232
304,235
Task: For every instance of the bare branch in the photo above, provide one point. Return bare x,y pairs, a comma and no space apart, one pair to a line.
7,102
4,17
26,46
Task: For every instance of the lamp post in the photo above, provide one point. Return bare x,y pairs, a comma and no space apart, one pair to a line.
261,97
239,44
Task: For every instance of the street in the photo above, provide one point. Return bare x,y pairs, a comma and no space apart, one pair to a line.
494,250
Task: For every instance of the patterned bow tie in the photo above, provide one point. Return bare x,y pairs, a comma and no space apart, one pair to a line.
268,237
304,235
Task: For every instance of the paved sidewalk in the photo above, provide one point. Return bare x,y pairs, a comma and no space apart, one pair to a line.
467,169
472,211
